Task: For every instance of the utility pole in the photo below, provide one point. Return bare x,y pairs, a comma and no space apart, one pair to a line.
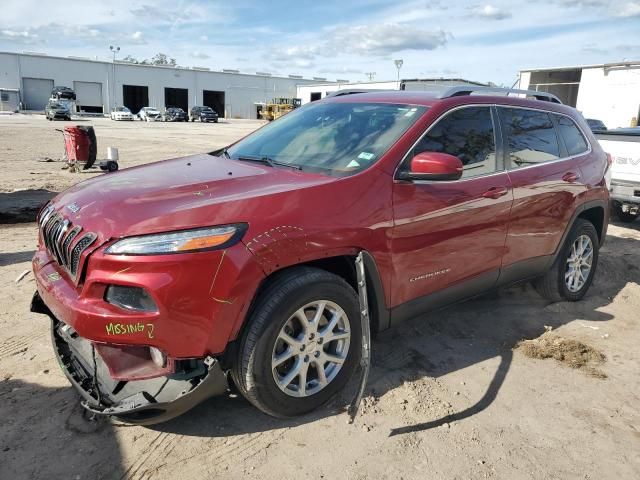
398,63
370,75
114,50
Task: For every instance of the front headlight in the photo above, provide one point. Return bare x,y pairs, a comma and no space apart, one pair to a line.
213,238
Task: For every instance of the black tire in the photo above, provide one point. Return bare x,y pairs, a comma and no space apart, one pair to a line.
552,285
624,217
289,291
215,121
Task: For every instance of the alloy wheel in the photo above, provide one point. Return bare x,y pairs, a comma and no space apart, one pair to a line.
579,263
311,348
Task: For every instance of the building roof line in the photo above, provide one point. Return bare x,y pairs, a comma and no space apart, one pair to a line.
121,62
576,67
373,82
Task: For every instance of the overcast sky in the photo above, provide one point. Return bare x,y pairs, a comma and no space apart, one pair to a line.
334,39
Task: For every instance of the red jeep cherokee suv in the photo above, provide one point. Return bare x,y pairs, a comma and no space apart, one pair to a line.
169,282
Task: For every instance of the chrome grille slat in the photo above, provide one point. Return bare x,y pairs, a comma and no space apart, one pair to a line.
49,226
57,241
63,241
44,216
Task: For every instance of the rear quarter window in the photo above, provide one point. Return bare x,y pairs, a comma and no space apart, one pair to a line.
572,136
531,136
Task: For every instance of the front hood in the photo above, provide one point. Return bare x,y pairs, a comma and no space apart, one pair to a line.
195,191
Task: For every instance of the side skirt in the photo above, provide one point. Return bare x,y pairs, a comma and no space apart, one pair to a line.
462,291
474,287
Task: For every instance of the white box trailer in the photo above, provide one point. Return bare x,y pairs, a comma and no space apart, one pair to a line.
624,147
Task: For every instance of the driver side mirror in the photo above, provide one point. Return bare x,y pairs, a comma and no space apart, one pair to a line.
433,166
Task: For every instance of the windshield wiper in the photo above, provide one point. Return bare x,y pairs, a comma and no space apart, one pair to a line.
222,151
268,161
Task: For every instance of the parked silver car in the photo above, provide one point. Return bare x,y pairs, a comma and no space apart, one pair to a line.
149,114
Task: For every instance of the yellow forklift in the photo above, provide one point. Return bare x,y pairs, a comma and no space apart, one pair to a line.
279,107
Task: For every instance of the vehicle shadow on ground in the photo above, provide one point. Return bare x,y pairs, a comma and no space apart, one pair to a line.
635,225
440,343
492,326
52,438
15,257
23,205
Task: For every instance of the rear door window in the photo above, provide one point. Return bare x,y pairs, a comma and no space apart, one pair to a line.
468,134
572,136
530,137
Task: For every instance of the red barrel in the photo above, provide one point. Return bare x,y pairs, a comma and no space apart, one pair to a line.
76,143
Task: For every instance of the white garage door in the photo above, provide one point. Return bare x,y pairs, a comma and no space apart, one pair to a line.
88,94
36,92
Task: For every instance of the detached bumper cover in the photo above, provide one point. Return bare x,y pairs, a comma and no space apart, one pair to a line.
142,402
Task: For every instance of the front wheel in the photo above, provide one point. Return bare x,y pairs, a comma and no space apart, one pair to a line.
572,272
301,344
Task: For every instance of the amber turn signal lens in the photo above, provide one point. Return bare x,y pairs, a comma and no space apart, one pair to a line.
205,242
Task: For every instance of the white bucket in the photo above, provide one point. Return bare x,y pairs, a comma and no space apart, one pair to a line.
112,153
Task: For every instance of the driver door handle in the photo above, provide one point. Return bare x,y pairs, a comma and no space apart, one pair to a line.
495,192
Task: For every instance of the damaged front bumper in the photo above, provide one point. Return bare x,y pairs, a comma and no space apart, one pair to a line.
141,402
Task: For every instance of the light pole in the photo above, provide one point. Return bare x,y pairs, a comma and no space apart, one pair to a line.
114,50
398,63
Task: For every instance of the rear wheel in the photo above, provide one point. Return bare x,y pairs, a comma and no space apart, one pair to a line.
572,272
301,345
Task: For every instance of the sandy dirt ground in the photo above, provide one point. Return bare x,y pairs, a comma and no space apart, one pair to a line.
451,395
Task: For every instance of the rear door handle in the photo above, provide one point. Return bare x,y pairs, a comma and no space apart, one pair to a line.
495,192
570,177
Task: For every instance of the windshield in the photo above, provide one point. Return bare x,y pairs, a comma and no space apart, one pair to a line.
335,138
206,109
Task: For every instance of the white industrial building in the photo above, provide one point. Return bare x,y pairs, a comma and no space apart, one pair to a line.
609,92
100,85
312,92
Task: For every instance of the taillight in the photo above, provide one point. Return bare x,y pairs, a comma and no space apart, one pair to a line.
609,160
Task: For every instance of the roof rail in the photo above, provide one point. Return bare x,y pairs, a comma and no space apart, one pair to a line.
462,90
352,91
